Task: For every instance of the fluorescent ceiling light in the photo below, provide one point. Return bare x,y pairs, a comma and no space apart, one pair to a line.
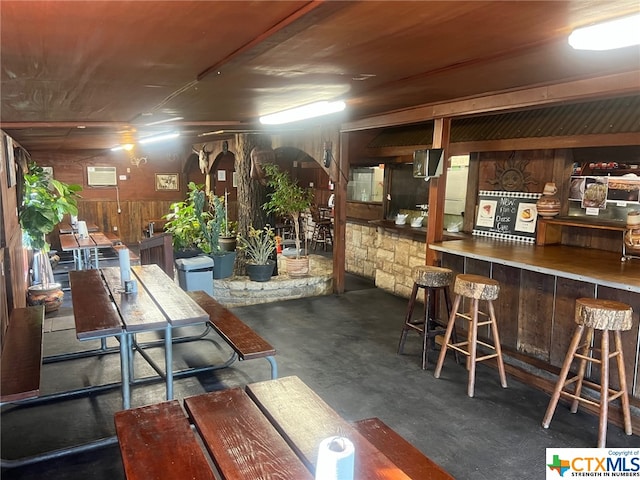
126,146
619,33
158,138
166,120
302,113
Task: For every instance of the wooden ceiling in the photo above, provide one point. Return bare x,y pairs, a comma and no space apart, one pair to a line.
92,74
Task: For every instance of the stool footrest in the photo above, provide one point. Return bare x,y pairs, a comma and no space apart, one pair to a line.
469,316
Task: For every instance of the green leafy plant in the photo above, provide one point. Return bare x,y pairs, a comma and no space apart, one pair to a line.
210,215
259,245
44,204
183,223
287,199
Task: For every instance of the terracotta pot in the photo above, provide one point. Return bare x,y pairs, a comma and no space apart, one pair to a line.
297,267
50,296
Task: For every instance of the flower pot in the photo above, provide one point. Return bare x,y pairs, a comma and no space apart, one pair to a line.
297,267
223,264
227,244
186,253
50,296
260,273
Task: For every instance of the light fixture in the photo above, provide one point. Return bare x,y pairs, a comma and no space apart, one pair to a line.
127,146
304,112
618,33
166,120
159,138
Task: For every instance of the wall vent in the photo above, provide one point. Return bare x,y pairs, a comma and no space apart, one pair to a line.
101,176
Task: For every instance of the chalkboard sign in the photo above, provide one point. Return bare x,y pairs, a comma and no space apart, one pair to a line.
507,215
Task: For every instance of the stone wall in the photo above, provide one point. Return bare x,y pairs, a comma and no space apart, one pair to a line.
383,256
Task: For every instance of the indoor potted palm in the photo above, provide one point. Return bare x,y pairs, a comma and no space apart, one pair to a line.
288,199
259,245
45,202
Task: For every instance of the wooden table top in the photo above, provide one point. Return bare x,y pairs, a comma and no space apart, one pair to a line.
158,300
67,228
73,241
583,264
271,429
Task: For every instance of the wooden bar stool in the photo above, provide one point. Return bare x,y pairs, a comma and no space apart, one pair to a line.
476,288
607,316
433,280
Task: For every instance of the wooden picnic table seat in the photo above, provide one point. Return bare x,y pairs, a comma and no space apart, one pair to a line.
240,439
411,460
21,358
156,441
238,335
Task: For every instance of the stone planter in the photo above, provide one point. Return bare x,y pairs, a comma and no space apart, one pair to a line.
260,273
227,244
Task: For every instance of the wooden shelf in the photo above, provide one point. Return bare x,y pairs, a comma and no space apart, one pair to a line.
549,230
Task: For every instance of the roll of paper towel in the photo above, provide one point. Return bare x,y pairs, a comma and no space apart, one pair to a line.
335,459
82,229
125,265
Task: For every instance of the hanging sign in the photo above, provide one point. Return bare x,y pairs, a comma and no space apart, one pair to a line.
507,215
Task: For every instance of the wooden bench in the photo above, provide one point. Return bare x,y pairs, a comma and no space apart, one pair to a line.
239,336
156,441
21,358
411,460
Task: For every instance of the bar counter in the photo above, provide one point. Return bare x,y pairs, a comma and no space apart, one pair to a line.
583,264
536,306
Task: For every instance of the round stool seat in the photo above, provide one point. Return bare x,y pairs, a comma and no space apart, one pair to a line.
476,286
432,277
603,314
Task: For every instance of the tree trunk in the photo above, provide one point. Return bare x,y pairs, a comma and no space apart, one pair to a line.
251,194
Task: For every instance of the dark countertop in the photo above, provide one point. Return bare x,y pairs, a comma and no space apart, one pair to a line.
583,264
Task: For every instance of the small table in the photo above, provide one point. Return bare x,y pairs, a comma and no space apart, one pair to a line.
101,309
271,429
82,248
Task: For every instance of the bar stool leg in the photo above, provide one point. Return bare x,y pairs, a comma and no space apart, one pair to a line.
407,318
496,342
604,391
562,377
447,336
428,298
473,338
626,413
587,350
454,336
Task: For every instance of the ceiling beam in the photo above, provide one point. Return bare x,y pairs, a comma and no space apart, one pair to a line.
567,92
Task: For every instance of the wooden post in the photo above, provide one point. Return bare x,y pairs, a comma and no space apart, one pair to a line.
340,214
435,222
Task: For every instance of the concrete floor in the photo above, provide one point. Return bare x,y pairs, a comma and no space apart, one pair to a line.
344,348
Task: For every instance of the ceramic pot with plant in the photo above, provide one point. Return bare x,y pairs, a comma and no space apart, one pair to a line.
184,227
210,215
259,245
288,199
45,202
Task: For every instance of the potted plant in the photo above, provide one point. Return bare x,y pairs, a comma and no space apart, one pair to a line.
184,227
210,216
45,202
289,199
259,246
228,236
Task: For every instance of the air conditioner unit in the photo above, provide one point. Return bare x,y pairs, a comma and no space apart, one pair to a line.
101,176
